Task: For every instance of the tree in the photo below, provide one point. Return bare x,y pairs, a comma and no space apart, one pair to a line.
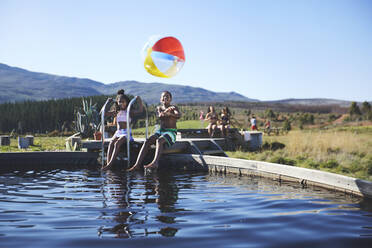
354,109
270,114
366,107
287,125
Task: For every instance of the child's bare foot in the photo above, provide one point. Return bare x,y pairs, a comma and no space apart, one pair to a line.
151,165
134,167
105,167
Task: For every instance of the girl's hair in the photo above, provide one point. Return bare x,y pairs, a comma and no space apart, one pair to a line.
227,110
121,96
210,109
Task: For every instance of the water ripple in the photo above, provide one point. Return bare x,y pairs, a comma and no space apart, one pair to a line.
84,208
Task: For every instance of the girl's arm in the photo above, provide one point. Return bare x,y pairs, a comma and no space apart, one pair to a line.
139,110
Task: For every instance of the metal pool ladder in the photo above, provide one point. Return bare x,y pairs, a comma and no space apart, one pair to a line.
128,128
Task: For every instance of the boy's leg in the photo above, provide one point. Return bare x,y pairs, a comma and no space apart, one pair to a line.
144,149
159,150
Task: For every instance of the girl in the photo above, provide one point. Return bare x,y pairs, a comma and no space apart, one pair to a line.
225,121
120,115
212,117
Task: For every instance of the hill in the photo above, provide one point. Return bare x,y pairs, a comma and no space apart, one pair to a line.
19,84
312,102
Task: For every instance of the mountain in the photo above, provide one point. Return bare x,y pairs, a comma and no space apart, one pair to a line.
19,84
312,102
151,92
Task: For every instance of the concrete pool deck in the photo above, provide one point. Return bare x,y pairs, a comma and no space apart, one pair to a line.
278,172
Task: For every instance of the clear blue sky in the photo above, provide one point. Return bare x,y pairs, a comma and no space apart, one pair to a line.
266,50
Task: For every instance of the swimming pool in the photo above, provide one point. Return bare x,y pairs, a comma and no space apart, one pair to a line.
89,208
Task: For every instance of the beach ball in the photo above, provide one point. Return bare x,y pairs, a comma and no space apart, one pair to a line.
163,57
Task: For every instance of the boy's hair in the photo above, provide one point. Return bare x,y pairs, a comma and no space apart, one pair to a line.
170,94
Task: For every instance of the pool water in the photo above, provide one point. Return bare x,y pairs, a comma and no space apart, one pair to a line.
88,208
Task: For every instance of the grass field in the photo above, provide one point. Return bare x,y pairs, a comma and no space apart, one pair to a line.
192,124
343,150
40,144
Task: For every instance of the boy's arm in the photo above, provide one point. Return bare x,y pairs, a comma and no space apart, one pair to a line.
160,112
173,112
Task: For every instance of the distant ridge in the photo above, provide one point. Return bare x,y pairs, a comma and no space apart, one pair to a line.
19,84
312,102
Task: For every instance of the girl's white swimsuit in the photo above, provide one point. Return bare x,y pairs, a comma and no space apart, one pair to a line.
121,117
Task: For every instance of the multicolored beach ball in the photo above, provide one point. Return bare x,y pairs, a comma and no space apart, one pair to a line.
163,57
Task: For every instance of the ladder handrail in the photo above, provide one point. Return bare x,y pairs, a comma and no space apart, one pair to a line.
129,128
102,112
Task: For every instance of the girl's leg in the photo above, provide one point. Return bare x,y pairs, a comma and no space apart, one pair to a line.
214,127
142,154
115,152
109,150
209,129
223,129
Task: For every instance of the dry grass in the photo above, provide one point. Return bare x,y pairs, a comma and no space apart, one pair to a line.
346,151
320,145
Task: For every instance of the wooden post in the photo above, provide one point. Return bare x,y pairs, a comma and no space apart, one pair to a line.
4,140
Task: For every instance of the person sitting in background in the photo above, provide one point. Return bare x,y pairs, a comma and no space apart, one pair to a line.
212,117
225,121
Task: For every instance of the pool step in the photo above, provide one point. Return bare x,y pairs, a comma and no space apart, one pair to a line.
212,152
207,147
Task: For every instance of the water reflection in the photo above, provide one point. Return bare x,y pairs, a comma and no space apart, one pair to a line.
129,200
61,207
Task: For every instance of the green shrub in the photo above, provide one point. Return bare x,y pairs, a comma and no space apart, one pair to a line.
273,146
283,160
329,164
369,166
312,164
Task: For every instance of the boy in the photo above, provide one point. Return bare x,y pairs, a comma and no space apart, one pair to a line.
168,115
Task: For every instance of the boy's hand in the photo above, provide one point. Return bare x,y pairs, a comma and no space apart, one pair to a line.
169,109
